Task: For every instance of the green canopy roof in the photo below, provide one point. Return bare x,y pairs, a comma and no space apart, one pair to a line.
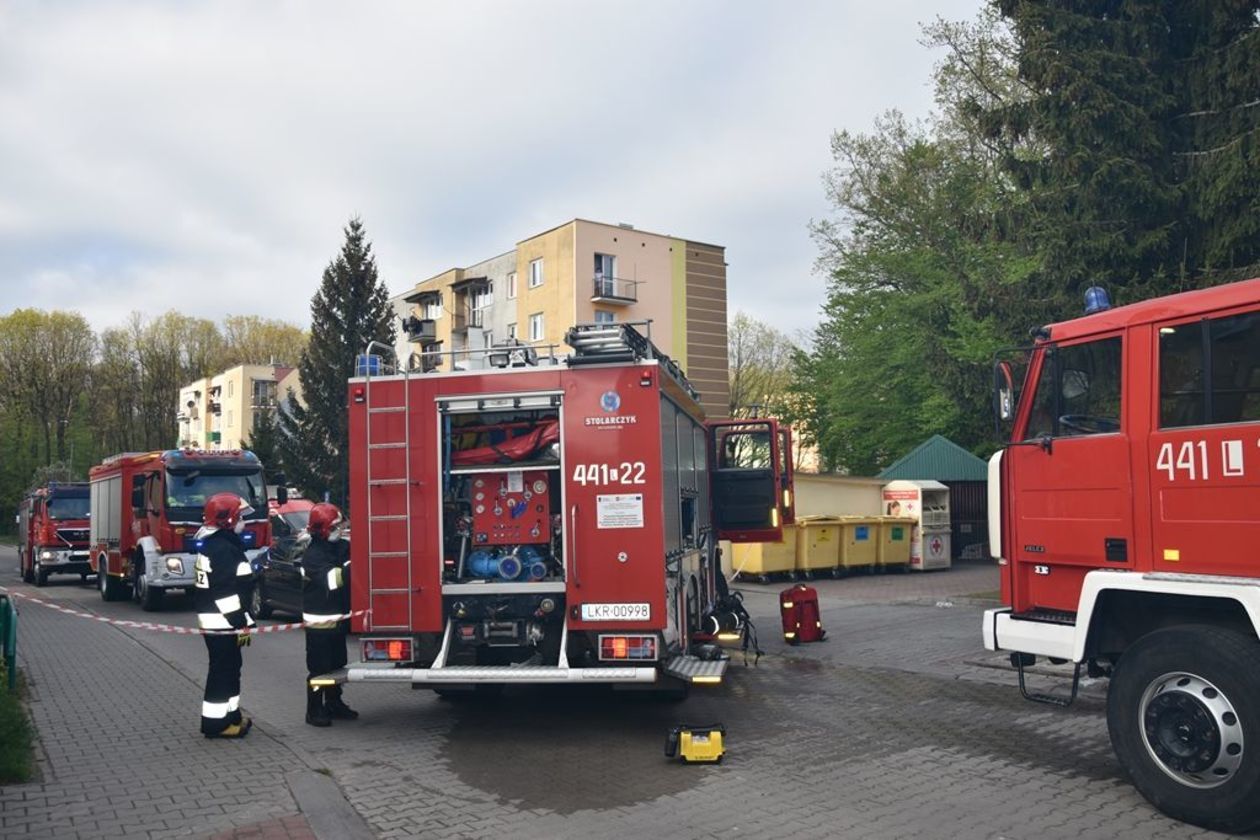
938,459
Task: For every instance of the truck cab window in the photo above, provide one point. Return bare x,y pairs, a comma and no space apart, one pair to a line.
1078,391
1233,354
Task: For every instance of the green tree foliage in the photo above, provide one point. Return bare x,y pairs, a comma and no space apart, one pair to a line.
760,360
350,309
1148,131
262,442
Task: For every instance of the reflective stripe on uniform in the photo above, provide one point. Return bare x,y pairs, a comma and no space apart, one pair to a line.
243,568
233,703
334,579
202,567
231,603
320,622
216,711
214,621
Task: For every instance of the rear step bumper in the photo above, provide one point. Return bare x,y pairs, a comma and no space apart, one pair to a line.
1004,631
688,668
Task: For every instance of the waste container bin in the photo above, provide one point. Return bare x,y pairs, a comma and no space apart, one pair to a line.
859,537
892,551
817,546
763,561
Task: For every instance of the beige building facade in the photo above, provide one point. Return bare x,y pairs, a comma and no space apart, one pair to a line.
579,272
218,412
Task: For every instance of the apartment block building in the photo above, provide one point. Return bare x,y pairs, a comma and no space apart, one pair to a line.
578,272
217,412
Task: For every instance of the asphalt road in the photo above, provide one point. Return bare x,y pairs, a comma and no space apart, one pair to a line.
899,725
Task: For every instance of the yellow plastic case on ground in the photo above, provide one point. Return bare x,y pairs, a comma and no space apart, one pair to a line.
893,548
817,545
697,744
859,537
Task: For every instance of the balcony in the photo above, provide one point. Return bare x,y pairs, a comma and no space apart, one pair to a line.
614,290
419,330
467,318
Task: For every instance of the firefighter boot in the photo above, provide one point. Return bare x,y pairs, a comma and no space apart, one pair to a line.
337,708
316,714
235,730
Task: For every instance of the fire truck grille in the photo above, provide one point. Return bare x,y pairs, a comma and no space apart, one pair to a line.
73,535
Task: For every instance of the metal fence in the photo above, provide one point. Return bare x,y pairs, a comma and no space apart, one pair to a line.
8,638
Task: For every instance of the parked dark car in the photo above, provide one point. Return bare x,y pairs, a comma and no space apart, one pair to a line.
278,581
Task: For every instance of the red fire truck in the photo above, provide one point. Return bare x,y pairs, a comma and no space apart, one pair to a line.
1125,514
535,522
147,508
53,532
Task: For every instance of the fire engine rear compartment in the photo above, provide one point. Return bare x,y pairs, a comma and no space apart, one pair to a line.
495,568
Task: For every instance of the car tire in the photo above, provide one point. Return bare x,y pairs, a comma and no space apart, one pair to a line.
1183,712
111,588
40,574
258,605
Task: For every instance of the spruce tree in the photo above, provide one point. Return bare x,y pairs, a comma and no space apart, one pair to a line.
350,309
262,442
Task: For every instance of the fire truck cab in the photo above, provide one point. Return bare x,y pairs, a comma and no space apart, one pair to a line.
546,520
53,532
1125,515
146,511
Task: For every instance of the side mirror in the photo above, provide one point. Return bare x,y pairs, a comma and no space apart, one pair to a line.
1004,391
282,495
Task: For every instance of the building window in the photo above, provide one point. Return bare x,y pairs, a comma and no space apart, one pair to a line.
229,412
535,273
230,387
511,285
536,327
264,393
511,330
488,339
433,311
483,298
604,317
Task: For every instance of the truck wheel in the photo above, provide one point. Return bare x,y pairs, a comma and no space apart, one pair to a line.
148,597
1183,712
41,574
111,588
28,567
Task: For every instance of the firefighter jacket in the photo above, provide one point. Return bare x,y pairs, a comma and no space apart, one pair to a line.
224,581
325,583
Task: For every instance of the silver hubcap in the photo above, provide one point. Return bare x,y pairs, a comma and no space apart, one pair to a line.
1191,730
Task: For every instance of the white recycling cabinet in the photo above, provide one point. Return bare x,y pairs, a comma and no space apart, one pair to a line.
926,502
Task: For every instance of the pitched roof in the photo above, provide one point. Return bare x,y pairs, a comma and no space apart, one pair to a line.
939,459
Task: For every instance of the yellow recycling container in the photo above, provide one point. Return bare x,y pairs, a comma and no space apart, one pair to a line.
859,538
893,547
817,545
764,560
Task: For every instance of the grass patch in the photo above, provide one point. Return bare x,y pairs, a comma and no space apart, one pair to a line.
987,595
17,753
8,539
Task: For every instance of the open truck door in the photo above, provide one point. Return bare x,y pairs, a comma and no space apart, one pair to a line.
751,479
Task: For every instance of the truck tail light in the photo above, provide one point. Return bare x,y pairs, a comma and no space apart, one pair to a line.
641,647
387,650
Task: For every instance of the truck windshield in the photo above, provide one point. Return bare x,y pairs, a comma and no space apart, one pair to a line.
188,490
68,507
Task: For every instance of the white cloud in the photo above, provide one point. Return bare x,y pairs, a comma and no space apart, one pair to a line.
204,156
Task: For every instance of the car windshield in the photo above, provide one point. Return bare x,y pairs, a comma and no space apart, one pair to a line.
192,488
297,519
68,507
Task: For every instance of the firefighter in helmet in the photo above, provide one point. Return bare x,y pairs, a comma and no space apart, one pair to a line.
325,599
223,583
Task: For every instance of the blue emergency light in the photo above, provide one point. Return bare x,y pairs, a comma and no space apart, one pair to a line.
1096,300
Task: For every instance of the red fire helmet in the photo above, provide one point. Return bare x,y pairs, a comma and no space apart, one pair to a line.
324,518
224,510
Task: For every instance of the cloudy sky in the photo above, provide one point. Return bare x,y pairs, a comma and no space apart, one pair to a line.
205,156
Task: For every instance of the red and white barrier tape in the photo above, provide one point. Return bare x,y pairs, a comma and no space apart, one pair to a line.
174,628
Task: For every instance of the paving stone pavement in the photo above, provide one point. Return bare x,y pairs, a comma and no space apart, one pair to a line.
897,726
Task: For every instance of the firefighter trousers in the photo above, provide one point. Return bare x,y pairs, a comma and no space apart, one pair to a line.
325,650
220,706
